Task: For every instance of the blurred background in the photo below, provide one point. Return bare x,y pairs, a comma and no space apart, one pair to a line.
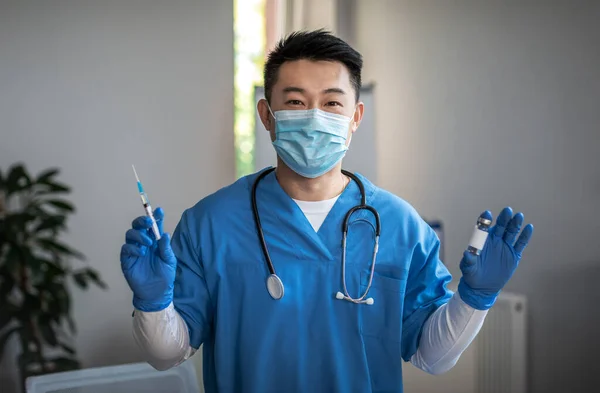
473,105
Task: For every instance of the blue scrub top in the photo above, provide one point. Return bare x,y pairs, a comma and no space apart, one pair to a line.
308,341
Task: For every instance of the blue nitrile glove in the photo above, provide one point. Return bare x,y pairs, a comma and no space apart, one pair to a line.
485,275
149,266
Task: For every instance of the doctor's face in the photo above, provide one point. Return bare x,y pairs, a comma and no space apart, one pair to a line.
306,84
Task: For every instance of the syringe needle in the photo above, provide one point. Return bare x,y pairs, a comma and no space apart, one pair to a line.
135,173
146,204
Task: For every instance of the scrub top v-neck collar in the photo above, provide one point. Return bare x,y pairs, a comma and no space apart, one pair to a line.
316,211
322,244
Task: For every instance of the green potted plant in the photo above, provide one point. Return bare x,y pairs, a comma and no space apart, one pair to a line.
35,270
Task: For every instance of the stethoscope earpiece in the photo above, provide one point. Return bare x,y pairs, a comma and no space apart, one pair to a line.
341,296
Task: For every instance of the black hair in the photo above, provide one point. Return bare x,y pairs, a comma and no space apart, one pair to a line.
317,45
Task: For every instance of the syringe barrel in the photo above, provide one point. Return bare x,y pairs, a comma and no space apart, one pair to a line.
149,213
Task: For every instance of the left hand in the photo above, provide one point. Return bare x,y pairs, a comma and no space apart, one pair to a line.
485,275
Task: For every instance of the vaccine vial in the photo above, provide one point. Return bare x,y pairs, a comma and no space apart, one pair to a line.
480,233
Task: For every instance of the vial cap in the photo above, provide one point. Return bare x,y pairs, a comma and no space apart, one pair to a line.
485,218
484,221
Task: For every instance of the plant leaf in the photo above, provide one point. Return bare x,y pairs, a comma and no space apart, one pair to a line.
67,348
90,274
52,269
51,187
95,277
61,204
33,263
58,300
13,257
5,318
4,338
16,223
26,358
55,246
51,222
65,363
7,282
51,302
47,331
6,287
17,179
46,175
72,324
64,299
31,305
80,280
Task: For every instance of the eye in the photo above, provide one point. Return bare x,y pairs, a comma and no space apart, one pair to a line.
333,103
294,102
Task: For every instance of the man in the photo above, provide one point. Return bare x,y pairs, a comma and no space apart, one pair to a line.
303,311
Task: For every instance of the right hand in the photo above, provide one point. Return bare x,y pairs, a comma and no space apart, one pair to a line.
149,266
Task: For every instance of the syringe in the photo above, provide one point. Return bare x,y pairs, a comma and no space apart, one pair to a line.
147,207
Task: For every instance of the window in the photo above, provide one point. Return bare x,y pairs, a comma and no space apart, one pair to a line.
249,58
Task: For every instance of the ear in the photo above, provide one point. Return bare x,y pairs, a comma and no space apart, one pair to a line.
357,118
265,114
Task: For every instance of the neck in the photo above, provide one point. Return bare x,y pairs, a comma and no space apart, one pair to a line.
300,188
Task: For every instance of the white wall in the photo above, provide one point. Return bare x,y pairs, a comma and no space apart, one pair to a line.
482,104
95,86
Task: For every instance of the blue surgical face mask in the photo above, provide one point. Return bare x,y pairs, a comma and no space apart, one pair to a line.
310,142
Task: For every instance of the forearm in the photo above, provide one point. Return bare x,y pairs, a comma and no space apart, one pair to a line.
446,335
163,337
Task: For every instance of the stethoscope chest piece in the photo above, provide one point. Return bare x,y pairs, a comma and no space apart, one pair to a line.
275,286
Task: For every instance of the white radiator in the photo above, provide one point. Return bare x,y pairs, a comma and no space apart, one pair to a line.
501,347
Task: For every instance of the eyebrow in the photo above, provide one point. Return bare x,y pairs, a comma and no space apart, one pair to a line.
334,90
294,89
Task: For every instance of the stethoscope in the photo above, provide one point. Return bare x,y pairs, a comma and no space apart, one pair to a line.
274,283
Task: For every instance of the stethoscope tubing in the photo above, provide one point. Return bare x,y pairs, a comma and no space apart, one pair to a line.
259,229
363,206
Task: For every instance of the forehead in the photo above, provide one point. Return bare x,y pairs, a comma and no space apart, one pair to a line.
313,75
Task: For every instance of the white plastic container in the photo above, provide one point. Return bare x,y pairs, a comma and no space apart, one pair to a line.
137,377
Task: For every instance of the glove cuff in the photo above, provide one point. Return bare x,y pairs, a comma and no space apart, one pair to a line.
479,300
146,306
